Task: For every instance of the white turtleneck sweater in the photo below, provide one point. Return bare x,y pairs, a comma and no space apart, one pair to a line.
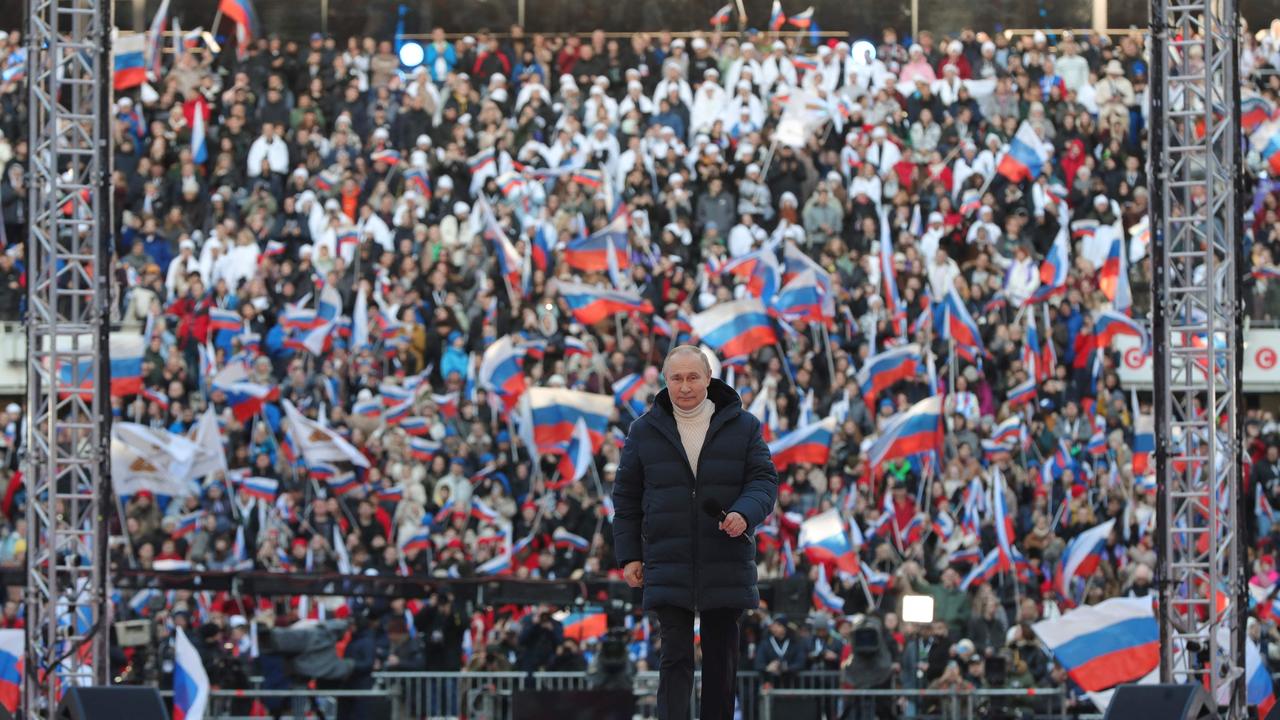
693,426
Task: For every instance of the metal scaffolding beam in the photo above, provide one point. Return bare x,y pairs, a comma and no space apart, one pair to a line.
67,482
1194,151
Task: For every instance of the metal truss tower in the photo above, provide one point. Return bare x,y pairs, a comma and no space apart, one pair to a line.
1195,165
67,479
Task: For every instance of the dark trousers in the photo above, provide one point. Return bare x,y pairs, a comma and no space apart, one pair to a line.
719,637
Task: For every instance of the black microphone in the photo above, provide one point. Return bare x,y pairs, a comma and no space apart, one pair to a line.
712,507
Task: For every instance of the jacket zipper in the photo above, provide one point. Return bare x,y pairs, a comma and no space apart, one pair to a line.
695,510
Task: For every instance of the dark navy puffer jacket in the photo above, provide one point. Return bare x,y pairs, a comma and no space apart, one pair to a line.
688,561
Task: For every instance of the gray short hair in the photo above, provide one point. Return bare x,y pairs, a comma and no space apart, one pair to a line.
686,350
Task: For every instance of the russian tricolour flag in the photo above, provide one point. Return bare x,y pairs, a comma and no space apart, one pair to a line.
126,364
960,326
824,539
565,539
626,392
810,444
1110,324
761,271
590,305
1053,273
190,681
1025,157
501,369
592,253
1082,555
1021,394
130,61
555,411
883,371
735,328
824,598
801,299
1101,646
577,456
991,565
915,430
220,319
12,649
263,489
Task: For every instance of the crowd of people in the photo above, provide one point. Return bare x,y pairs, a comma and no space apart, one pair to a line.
447,205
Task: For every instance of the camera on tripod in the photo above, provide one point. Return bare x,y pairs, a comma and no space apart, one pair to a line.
612,667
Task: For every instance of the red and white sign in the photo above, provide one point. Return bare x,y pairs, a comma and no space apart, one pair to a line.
1261,371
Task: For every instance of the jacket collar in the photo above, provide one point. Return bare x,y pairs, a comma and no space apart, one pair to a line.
728,406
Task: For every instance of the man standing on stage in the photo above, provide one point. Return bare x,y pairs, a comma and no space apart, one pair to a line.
694,480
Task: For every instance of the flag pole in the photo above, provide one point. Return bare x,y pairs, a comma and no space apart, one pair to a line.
831,363
951,366
217,18
124,530
786,364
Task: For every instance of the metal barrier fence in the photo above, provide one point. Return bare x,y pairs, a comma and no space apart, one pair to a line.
860,704
818,694
489,696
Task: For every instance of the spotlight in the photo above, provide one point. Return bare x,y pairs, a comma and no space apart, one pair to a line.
917,608
412,54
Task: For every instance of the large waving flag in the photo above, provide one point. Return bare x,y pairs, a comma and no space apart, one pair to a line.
199,144
626,392
824,598
590,305
1053,273
809,444
1113,276
959,324
1082,555
241,13
883,371
144,458
592,253
722,16
1025,157
1259,688
1103,645
577,456
318,443
801,299
510,263
892,299
502,370
554,412
190,681
761,271
210,456
916,430
1001,519
13,645
824,539
247,399
795,261
1109,324
990,565
129,62
155,40
776,18
735,328
126,363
